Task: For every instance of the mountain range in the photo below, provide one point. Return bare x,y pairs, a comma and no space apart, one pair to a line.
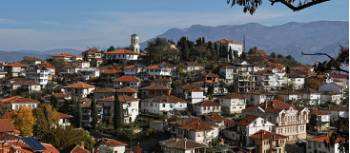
9,56
287,39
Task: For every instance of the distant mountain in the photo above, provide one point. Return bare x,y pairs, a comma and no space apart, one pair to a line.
290,38
10,56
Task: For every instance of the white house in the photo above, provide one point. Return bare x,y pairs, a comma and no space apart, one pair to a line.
162,69
79,89
322,144
132,69
121,54
177,145
197,130
206,106
227,72
111,146
231,47
16,102
64,120
127,81
296,81
312,98
233,103
67,57
193,93
39,74
15,69
163,105
248,126
332,97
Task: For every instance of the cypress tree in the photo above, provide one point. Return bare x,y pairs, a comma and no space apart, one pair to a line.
117,113
93,113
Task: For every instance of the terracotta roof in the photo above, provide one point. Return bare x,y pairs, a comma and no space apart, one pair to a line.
262,134
126,90
158,66
215,117
275,106
233,96
66,55
6,125
167,99
194,124
156,87
79,149
182,144
49,148
110,70
64,116
227,41
47,65
207,103
113,142
18,99
339,76
15,65
8,115
127,78
264,72
123,99
325,138
22,81
246,120
190,87
60,95
276,65
121,51
79,85
129,67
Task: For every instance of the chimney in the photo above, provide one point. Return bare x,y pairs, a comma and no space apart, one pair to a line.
82,145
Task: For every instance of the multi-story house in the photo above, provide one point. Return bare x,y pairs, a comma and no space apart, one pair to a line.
233,103
326,144
197,130
206,107
319,120
265,141
246,127
229,48
160,70
289,120
132,69
227,72
15,69
193,93
16,102
94,56
22,84
296,81
163,105
129,109
332,97
79,89
121,55
312,97
155,89
38,74
127,81
176,145
67,57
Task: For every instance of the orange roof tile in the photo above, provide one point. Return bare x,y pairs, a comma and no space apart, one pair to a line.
110,70
262,134
126,90
192,88
195,125
121,51
227,41
18,99
325,138
207,103
113,142
6,125
15,65
127,78
167,99
79,85
79,149
50,148
246,120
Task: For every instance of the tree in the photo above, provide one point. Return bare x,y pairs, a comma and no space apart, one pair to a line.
160,50
334,63
93,113
46,118
24,120
111,48
251,5
117,113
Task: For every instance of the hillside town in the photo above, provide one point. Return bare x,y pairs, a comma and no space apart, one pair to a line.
172,97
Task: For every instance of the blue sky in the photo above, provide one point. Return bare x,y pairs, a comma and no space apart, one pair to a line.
79,24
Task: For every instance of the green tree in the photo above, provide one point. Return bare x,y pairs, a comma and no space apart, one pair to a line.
93,113
111,48
117,121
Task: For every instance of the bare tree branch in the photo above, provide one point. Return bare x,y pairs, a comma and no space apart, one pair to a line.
324,54
337,67
299,7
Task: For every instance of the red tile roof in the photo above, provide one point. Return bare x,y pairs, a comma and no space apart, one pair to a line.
79,85
166,99
182,144
123,99
126,90
64,116
262,134
246,120
194,124
127,78
113,142
66,55
192,88
275,106
326,138
215,117
156,87
121,51
6,125
110,70
50,148
15,65
18,99
79,149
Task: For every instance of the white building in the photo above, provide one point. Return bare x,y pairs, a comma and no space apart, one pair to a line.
39,75
231,47
176,145
135,43
121,54
233,103
332,97
163,105
127,81
67,57
15,69
111,146
296,81
206,106
132,69
162,69
193,93
64,120
79,89
197,130
322,144
312,98
16,102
